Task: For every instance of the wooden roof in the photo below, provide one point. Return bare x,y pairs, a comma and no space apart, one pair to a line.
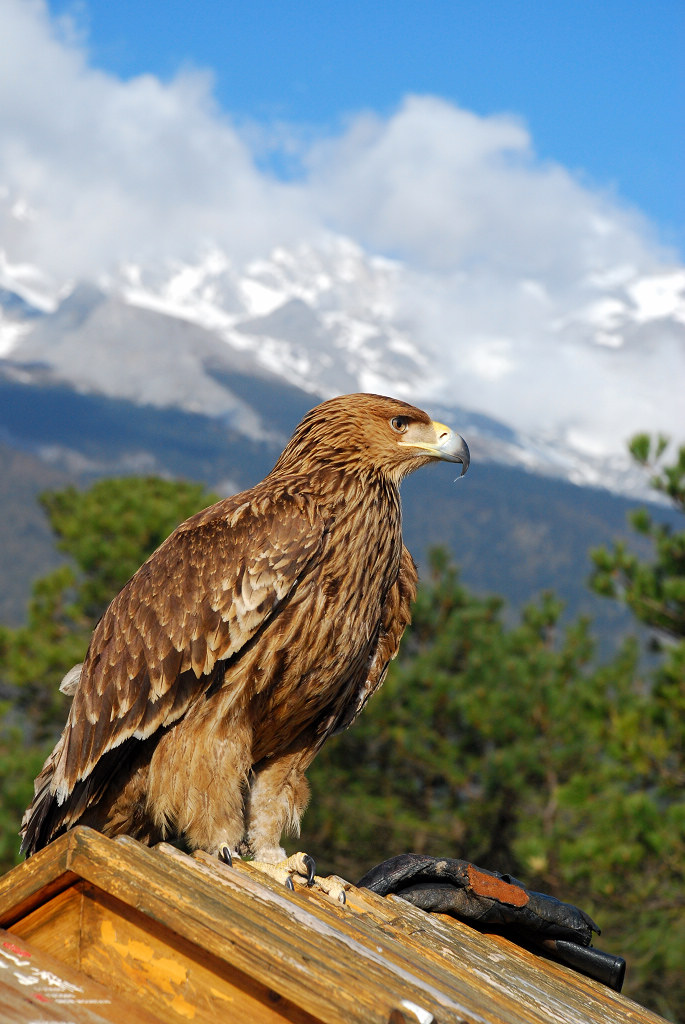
99,929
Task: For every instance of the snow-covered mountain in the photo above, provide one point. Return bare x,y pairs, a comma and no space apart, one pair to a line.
329,318
200,370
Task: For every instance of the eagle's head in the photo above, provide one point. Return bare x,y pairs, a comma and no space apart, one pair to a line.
371,434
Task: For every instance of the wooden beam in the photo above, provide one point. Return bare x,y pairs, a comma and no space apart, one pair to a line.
35,986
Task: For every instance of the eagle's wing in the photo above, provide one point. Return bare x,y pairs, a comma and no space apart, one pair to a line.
396,616
197,600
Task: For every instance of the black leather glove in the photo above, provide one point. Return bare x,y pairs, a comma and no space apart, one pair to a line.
449,886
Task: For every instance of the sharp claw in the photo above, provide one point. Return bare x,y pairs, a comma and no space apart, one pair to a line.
289,884
311,868
225,856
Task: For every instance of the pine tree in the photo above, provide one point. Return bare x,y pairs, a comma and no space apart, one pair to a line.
106,533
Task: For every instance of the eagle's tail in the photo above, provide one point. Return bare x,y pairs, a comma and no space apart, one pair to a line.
39,824
53,812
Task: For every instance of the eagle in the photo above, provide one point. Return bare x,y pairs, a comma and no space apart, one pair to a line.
260,627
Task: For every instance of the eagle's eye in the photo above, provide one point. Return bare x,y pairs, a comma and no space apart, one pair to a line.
399,424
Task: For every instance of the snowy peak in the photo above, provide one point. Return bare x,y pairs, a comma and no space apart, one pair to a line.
553,383
628,302
27,282
322,318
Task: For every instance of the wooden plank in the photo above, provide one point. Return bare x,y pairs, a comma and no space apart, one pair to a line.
178,981
273,935
339,964
335,954
435,981
540,985
515,982
146,963
55,926
252,941
36,879
35,987
397,939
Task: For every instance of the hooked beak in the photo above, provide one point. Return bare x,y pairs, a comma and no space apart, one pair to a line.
450,447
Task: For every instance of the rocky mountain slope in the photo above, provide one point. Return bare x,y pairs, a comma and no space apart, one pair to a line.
203,370
331,319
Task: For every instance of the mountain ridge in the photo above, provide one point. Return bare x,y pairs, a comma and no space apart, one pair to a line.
512,533
324,320
202,371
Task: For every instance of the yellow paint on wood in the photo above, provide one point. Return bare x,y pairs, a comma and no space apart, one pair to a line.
182,1007
162,971
221,995
143,960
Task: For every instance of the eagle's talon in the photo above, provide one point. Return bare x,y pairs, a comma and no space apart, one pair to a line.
332,886
225,856
310,864
300,868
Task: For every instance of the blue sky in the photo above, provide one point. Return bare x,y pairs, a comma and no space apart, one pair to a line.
518,162
600,86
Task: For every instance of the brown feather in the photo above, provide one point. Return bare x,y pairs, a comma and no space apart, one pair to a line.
259,627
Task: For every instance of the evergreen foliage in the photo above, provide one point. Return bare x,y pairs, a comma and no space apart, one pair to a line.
512,747
106,532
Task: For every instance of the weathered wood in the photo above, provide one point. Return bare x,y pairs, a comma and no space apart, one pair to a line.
258,937
139,959
546,991
430,984
34,880
271,931
193,937
179,981
35,986
476,966
55,926
366,986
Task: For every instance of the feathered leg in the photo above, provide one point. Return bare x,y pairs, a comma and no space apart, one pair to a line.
197,781
278,797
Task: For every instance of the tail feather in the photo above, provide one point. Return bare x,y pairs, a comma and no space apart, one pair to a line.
38,825
49,817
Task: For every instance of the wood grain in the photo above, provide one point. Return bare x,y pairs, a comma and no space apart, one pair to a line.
191,939
35,986
55,925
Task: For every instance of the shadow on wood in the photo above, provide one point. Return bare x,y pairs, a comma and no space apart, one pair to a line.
146,934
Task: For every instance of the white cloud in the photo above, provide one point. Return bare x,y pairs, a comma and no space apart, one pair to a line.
446,189
527,283
111,169
115,170
501,250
